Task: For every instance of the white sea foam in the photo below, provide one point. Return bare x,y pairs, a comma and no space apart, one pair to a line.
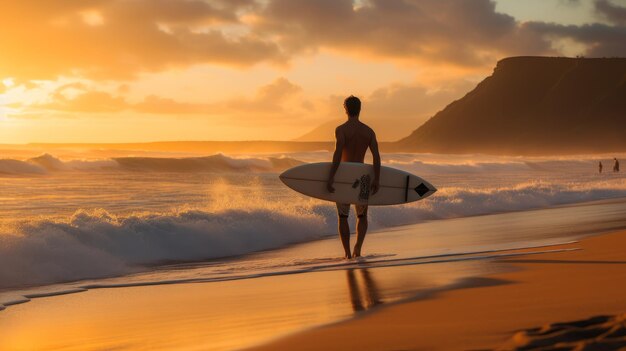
453,202
94,244
98,244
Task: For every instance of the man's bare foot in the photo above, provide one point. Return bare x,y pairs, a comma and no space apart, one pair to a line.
356,252
347,256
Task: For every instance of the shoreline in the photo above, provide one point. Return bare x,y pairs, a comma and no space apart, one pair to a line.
20,295
324,303
501,313
341,266
81,285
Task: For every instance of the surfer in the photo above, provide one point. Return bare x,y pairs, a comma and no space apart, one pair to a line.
616,165
600,167
353,138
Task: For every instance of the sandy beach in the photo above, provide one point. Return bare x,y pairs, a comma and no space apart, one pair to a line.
548,288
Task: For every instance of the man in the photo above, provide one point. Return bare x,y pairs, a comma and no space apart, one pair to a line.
353,140
616,165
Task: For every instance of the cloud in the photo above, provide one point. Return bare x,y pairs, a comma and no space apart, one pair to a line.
600,40
414,102
597,39
269,98
83,100
117,39
462,33
160,105
272,99
275,98
392,110
459,32
615,14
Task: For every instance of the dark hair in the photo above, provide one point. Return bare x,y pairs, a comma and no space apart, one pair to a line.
352,104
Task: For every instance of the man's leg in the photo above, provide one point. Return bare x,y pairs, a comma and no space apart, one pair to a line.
361,229
344,228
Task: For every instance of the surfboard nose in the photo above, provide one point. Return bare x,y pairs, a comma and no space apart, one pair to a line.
431,189
287,174
283,177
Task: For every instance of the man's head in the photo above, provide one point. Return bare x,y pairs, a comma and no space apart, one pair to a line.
352,104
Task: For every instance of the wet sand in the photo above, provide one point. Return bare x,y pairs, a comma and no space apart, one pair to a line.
218,315
505,314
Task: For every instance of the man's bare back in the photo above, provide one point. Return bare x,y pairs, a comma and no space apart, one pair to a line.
357,138
353,138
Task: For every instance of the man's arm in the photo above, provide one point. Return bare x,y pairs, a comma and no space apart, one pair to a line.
376,157
340,141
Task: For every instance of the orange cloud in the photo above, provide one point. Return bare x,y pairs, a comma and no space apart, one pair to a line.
271,99
118,38
84,100
390,110
161,105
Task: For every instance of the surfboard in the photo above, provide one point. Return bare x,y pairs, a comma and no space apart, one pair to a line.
353,184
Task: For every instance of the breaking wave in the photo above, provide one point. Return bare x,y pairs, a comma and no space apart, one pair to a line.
97,244
94,244
46,164
244,218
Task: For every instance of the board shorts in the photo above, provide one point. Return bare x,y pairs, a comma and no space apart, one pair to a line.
343,210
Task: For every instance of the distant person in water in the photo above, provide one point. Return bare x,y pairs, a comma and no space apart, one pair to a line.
616,165
353,138
600,167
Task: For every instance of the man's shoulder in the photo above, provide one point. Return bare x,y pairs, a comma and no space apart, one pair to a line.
341,127
340,130
368,128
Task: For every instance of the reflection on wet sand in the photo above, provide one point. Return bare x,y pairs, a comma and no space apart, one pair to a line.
364,293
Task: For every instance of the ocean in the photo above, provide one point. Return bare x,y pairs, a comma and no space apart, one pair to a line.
79,223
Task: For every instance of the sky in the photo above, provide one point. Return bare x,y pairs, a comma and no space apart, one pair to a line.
152,70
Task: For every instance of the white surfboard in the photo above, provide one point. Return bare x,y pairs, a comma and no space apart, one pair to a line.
353,184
